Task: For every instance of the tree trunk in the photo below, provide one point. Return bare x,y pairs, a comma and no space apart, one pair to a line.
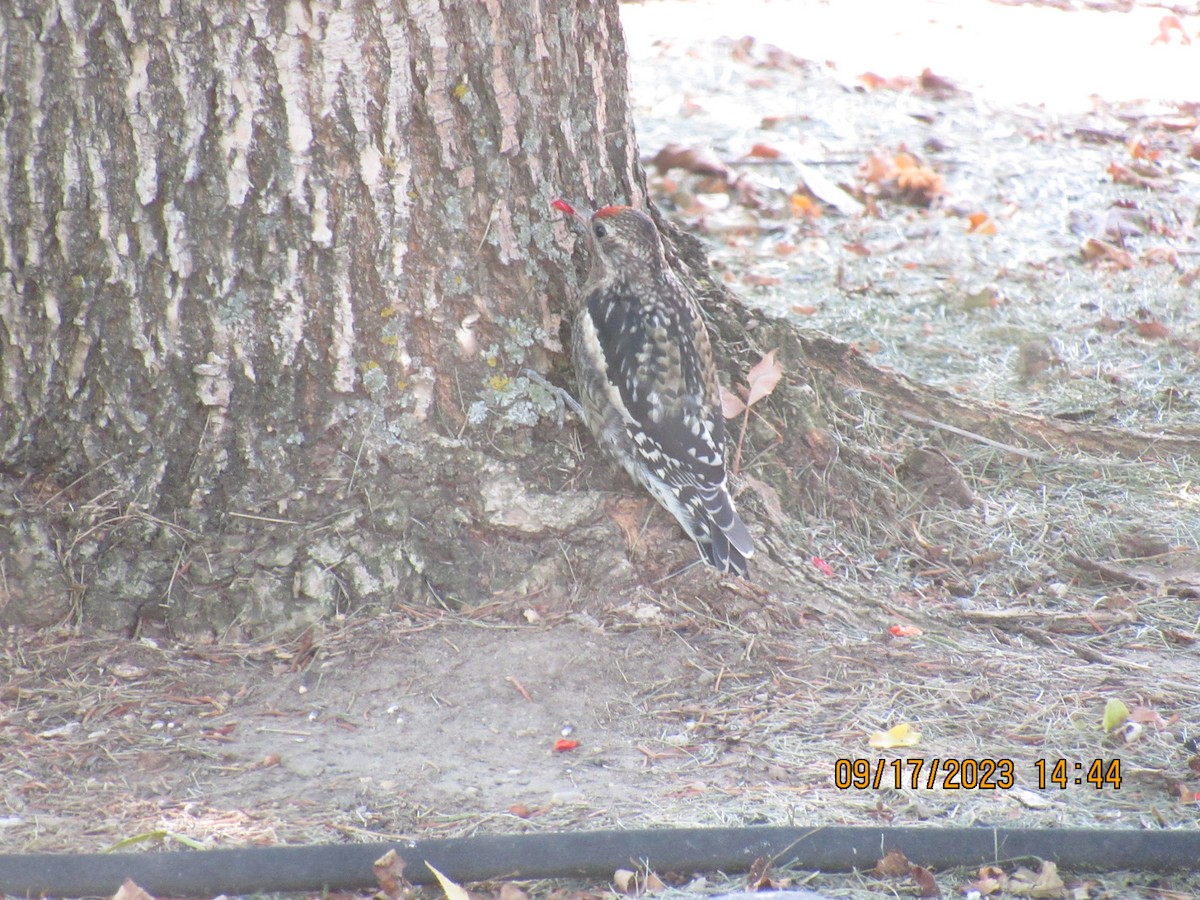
271,274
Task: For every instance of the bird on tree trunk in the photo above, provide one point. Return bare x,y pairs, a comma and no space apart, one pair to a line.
647,384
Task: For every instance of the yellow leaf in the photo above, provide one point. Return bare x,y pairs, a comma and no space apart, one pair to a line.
452,890
900,735
1115,714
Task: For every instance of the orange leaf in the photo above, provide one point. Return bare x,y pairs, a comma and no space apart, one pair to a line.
763,378
562,745
1139,148
764,151
905,631
803,205
980,223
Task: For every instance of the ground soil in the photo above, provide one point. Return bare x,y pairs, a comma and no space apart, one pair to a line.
1072,582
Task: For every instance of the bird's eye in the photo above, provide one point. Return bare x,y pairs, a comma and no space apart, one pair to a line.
599,230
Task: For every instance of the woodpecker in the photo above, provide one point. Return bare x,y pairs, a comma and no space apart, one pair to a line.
647,383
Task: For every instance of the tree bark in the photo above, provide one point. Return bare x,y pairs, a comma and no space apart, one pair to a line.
271,274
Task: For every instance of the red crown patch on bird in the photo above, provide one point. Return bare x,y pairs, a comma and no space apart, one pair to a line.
606,211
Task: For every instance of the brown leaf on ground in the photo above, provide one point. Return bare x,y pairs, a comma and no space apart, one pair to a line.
764,151
697,160
937,85
759,876
876,82
1168,255
131,891
893,865
990,880
389,873
1096,250
1045,883
1152,329
1122,175
926,883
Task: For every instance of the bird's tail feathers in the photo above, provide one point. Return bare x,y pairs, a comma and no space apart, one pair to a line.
723,537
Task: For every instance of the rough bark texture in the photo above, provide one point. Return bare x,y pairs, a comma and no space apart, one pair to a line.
269,277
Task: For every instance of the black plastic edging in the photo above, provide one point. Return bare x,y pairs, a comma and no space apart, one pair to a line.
592,854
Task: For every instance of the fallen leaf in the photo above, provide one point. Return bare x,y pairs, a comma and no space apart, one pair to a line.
696,160
1031,799
1147,716
1045,883
732,405
938,85
991,880
980,223
1115,714
759,876
893,865
1154,329
763,377
823,188
1139,148
764,151
1095,249
130,890
804,207
926,883
875,82
900,735
565,745
1123,175
389,873
1167,26
905,631
1168,255
449,888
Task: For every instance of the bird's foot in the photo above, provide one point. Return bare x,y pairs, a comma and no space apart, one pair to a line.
562,398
